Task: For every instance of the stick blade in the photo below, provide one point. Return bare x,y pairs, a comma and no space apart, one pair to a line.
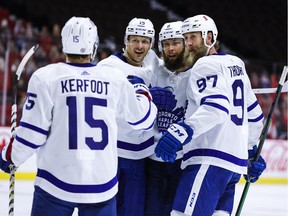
25,59
285,87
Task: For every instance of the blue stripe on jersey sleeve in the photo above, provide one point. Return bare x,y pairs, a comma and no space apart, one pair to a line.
26,143
251,107
34,128
217,154
145,117
259,118
76,188
135,147
213,104
150,126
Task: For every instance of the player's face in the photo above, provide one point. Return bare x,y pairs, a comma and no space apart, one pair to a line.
137,47
172,48
173,52
192,40
195,45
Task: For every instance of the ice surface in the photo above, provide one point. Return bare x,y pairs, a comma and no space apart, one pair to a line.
261,200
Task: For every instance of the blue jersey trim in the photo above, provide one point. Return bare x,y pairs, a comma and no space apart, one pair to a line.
81,64
213,104
256,119
251,107
34,128
150,126
26,143
144,118
120,56
217,154
76,188
216,106
135,147
219,53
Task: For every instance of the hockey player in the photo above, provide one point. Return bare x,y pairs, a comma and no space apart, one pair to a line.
162,178
69,119
137,62
222,125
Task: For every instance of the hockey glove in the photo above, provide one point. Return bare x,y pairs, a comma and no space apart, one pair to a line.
135,79
172,140
5,165
163,98
255,168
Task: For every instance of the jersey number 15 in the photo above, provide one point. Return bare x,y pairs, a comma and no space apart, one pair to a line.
93,123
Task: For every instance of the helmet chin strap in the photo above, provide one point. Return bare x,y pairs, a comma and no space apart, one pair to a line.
208,50
131,61
208,46
92,56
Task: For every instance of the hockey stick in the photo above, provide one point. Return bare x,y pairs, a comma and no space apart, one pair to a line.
270,90
263,136
12,167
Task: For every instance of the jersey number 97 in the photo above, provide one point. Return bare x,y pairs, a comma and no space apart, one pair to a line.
238,97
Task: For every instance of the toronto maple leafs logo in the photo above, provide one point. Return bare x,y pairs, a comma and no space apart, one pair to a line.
165,118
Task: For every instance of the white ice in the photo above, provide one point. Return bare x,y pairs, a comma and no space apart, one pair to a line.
261,199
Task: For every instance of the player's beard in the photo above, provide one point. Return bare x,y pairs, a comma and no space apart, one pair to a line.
197,52
173,65
190,59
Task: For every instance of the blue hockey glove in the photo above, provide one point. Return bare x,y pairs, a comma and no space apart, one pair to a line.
135,79
4,165
255,168
172,140
163,98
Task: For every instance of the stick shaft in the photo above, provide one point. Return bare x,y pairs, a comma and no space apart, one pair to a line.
13,128
11,190
12,167
264,131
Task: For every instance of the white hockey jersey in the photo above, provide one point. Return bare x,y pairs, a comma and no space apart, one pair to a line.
177,83
134,144
223,112
69,118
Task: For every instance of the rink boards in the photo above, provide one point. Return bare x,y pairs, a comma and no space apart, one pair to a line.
275,153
